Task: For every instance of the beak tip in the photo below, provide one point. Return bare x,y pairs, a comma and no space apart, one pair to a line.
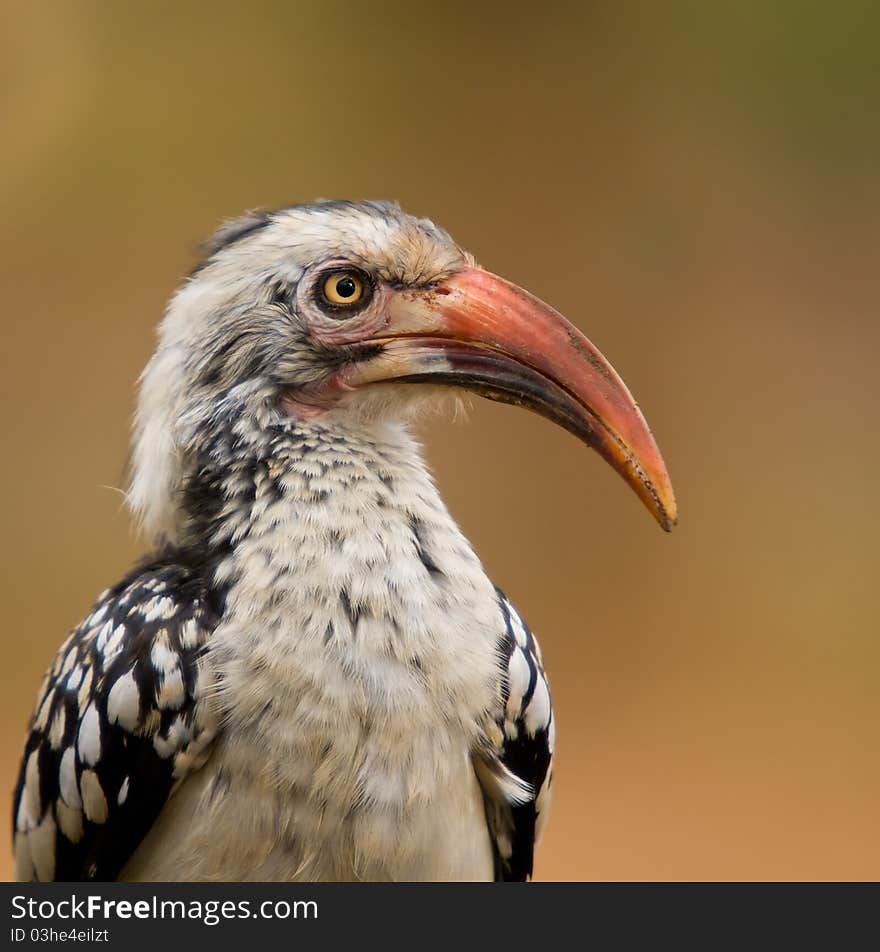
667,514
659,498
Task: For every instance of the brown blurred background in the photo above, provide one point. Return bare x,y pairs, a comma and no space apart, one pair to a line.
696,186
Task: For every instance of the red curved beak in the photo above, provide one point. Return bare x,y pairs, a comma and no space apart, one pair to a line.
478,331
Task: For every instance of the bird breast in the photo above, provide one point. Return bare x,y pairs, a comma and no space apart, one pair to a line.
354,670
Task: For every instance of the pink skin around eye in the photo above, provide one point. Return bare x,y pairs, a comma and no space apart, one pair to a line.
361,326
317,400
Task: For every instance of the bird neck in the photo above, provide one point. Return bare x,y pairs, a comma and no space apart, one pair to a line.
338,531
310,502
245,476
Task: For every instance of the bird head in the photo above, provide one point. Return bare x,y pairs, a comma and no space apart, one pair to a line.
337,310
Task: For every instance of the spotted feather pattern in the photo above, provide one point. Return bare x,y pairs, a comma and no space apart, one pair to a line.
119,720
516,772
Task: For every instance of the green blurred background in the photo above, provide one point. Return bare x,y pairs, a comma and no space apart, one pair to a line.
696,185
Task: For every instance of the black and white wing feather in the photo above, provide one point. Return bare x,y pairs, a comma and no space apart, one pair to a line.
120,719
515,771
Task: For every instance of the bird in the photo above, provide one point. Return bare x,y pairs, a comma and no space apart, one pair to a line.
311,677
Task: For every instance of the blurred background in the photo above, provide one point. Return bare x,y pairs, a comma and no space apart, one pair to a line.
695,185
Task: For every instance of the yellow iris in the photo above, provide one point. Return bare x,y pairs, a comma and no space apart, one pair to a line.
343,287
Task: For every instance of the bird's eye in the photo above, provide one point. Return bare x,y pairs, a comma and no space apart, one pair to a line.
345,289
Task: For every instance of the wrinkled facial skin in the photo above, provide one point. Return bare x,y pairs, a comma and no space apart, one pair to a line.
307,311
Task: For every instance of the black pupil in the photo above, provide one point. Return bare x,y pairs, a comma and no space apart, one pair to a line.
346,287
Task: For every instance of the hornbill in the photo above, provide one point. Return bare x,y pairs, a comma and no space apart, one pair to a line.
312,677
